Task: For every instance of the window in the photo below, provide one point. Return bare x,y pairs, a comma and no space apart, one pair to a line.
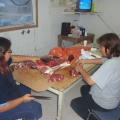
18,14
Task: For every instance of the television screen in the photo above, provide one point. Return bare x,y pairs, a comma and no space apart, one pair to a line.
84,5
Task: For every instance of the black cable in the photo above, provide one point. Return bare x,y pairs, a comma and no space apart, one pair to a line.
18,4
105,22
63,44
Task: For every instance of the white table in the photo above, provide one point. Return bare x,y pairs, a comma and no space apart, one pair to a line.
37,82
62,93
91,70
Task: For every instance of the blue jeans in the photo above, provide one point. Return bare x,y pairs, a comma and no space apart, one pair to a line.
82,105
30,111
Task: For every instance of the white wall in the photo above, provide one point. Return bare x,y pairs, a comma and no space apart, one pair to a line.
106,21
42,39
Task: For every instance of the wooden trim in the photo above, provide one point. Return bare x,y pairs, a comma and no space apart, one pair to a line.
5,29
36,13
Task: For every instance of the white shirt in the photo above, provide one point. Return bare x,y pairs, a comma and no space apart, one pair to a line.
106,91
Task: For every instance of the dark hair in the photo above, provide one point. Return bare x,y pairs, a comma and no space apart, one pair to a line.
5,45
111,42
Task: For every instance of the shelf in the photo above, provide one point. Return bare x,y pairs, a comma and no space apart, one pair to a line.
81,13
89,36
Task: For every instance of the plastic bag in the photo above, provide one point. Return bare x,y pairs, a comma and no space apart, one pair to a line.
64,53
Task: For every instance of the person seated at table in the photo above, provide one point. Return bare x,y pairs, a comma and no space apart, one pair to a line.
104,94
15,100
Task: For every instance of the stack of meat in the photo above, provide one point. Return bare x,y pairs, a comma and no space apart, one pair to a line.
47,65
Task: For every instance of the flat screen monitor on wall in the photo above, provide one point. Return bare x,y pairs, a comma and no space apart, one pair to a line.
84,5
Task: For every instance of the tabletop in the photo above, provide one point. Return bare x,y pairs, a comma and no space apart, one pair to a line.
38,82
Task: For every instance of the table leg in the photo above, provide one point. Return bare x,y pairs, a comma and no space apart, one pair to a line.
60,104
60,41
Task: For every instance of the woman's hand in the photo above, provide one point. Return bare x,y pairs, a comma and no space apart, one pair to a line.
16,102
27,98
78,67
80,62
85,75
34,59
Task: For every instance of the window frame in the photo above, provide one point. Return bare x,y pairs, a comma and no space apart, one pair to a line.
24,26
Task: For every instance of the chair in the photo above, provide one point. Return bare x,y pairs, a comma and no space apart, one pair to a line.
21,119
111,115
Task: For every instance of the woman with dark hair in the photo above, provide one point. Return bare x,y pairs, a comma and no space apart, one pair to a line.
104,94
15,100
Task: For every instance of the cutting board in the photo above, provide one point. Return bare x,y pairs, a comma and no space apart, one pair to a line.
38,82
68,79
33,79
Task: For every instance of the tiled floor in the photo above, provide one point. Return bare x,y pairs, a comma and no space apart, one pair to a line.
49,107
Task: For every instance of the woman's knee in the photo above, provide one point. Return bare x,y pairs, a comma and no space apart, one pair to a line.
85,89
72,104
30,110
75,104
37,109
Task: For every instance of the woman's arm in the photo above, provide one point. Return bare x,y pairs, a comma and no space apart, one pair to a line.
14,103
90,61
84,74
21,58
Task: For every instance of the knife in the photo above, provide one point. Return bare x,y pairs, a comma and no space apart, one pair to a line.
41,97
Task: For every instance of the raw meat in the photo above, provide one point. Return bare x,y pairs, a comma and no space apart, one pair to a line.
52,61
30,64
55,78
74,73
47,65
25,65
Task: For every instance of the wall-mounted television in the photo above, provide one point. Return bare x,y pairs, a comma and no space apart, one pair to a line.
84,5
